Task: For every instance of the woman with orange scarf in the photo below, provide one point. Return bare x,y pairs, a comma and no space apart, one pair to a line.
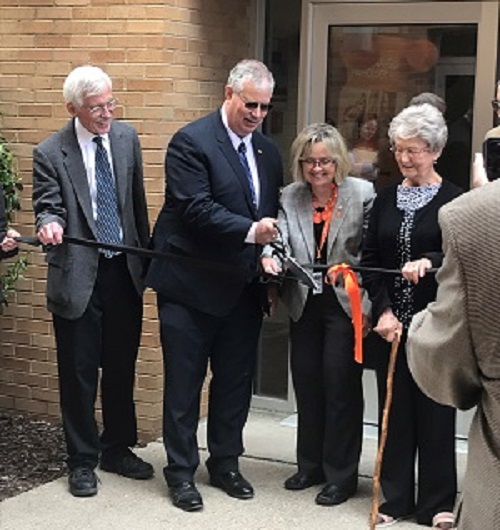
322,218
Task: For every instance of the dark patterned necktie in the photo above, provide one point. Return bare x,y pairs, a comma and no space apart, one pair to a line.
242,150
108,218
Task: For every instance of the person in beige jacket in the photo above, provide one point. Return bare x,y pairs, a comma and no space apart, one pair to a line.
454,344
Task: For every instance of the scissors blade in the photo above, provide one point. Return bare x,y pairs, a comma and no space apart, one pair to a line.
299,272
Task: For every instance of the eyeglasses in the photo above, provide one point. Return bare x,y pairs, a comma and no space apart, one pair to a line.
254,105
322,162
410,151
495,104
110,106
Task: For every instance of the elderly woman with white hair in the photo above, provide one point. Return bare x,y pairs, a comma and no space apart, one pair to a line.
403,233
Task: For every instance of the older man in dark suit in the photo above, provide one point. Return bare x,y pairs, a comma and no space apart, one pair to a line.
223,179
88,183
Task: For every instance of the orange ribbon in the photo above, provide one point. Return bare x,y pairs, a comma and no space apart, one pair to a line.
353,292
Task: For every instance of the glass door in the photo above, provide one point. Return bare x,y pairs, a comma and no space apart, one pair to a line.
362,62
273,388
374,70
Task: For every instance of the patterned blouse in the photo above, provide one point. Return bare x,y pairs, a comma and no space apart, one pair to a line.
409,199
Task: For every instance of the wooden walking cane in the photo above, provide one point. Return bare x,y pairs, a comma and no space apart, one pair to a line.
385,426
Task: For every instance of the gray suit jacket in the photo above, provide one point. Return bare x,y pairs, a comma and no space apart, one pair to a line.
454,344
354,202
61,194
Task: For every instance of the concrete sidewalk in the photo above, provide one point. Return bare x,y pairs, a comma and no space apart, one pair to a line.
269,459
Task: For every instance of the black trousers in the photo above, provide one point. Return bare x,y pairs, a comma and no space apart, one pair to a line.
328,388
418,427
106,336
190,339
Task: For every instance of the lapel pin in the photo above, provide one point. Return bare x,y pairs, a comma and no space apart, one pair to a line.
259,151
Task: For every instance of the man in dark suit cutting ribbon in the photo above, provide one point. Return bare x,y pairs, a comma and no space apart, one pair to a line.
88,183
222,185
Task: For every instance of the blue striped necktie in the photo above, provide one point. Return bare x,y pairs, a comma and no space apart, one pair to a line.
242,150
108,218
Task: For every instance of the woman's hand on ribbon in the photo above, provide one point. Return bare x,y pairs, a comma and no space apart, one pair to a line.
388,325
414,270
270,266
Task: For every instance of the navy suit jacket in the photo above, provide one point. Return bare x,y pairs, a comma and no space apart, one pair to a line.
207,214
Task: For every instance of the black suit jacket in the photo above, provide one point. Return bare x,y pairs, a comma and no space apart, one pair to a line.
207,214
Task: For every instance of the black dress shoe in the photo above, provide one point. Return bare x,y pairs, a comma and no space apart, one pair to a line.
186,497
233,483
331,494
301,481
82,482
127,464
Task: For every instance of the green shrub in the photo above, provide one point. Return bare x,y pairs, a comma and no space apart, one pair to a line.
12,186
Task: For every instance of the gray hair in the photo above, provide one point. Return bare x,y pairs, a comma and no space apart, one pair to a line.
431,98
334,142
84,81
250,70
420,121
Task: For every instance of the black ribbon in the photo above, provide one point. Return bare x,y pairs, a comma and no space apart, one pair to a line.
136,251
359,268
293,270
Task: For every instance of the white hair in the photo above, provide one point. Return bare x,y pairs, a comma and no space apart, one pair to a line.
85,81
250,70
420,121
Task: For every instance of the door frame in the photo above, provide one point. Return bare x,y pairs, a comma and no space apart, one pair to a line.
318,15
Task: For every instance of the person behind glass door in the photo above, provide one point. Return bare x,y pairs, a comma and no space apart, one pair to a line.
403,233
364,155
322,217
431,98
222,185
95,298
479,176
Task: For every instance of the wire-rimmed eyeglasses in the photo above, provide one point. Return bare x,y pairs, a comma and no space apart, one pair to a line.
410,151
109,106
322,162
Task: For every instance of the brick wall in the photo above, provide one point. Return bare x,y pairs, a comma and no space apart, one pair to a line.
168,60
